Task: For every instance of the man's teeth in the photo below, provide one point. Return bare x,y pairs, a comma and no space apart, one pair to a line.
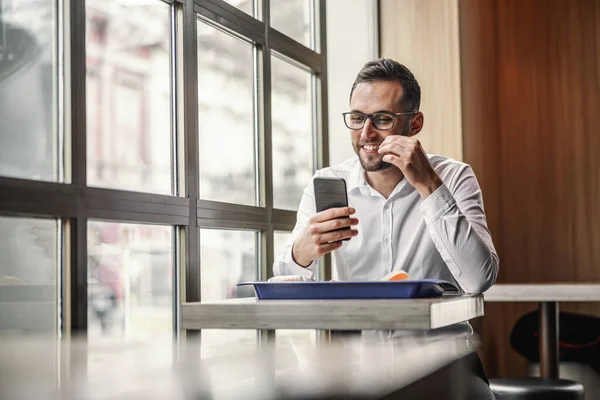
370,147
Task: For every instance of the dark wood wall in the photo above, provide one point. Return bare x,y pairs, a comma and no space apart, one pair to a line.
530,86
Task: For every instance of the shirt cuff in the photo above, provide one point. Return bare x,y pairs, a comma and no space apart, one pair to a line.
437,203
294,269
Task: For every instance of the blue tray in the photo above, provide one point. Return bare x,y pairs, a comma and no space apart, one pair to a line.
411,289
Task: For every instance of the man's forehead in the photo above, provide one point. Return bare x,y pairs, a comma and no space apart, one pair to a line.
379,95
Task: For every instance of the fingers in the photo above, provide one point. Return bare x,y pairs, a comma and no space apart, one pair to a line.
333,230
403,160
334,224
392,159
321,232
402,151
394,148
321,238
328,248
401,140
330,241
397,144
336,236
332,213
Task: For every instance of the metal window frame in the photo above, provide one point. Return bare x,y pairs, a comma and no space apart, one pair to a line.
74,203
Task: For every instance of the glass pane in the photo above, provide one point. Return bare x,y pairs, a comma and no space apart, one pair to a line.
293,18
281,239
246,6
227,257
226,117
130,280
29,297
292,133
28,62
128,95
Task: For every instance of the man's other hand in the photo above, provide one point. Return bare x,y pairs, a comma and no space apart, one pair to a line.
318,238
407,154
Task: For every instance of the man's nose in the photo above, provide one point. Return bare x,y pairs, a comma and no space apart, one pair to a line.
368,131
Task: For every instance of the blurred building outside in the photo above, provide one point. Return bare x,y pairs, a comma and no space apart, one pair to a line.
129,148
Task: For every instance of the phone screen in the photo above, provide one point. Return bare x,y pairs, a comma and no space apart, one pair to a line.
330,193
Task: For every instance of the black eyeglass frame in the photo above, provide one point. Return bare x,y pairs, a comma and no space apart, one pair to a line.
370,116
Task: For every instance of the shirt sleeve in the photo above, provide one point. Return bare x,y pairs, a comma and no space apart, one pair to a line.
456,220
284,263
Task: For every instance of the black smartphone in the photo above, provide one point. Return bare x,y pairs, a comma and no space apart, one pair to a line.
330,193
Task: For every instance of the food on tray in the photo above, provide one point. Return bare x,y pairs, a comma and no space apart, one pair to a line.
290,278
396,276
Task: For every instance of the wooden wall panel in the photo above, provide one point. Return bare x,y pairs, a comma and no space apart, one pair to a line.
423,35
481,149
542,75
480,120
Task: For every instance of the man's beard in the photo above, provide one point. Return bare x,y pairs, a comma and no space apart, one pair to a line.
371,164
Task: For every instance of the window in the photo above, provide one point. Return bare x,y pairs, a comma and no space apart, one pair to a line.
226,91
246,6
28,106
294,18
29,294
129,95
281,240
224,265
130,279
292,133
151,153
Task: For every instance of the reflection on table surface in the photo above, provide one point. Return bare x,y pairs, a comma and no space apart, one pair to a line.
34,368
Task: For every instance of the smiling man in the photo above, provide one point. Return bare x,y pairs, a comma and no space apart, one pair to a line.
408,210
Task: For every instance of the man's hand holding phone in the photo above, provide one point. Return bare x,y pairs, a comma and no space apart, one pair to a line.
324,233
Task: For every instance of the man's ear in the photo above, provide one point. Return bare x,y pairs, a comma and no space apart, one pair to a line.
416,124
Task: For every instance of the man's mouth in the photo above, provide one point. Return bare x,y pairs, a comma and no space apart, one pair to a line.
370,148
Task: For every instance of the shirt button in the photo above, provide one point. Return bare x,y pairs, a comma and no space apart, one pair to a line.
386,240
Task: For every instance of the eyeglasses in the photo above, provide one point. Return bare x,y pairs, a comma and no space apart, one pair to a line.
382,121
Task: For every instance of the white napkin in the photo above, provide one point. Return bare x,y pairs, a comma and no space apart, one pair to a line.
290,278
389,276
300,278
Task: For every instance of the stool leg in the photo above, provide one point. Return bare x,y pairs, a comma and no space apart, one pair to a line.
548,342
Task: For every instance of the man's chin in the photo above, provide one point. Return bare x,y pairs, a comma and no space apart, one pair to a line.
374,165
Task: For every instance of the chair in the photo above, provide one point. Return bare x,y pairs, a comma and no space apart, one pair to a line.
578,334
534,388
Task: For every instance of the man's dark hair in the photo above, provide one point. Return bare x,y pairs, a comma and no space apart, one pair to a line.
386,69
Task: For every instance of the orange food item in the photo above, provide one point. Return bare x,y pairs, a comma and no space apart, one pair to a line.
400,276
396,276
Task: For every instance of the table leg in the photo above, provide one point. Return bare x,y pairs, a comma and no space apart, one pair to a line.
266,337
323,338
265,363
548,340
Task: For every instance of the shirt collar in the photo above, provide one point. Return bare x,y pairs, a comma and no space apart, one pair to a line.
357,179
358,182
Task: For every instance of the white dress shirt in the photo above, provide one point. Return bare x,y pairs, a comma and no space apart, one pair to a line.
444,236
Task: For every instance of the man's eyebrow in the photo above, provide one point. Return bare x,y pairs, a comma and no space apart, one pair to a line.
376,112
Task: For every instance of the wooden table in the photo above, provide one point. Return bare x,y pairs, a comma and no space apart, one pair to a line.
340,315
157,368
251,313
547,296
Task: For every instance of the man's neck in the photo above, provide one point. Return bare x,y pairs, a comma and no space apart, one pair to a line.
384,181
